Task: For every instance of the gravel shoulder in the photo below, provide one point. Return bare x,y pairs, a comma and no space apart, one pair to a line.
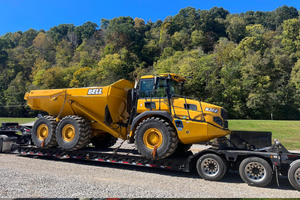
32,177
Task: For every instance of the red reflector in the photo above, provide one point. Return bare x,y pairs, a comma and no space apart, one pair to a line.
125,162
168,167
153,165
113,161
275,163
292,156
139,163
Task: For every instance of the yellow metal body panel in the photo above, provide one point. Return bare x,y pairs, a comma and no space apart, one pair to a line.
175,77
159,103
194,132
91,101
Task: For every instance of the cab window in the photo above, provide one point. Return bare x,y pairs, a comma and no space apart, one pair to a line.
174,87
147,89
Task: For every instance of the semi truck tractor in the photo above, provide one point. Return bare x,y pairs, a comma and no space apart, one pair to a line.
152,113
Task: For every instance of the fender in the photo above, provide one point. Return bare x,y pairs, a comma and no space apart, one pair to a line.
150,113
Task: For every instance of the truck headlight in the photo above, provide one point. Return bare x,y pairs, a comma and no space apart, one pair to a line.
218,120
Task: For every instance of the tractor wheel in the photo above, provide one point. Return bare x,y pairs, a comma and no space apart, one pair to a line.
104,140
43,132
155,138
73,132
211,167
256,171
294,174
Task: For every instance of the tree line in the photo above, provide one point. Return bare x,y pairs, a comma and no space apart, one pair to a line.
248,63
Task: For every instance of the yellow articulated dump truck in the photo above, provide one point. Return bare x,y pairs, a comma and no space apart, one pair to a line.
151,113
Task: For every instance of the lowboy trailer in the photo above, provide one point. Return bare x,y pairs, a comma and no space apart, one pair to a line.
251,153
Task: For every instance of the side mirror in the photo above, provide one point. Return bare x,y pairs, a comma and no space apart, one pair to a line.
155,82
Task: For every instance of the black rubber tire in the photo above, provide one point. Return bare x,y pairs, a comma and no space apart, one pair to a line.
218,167
105,142
51,123
169,138
294,174
256,166
82,133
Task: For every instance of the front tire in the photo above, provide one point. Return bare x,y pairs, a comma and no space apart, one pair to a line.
157,132
294,174
43,131
211,167
256,171
73,132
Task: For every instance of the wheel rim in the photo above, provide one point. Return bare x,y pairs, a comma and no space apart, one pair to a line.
210,167
255,171
152,137
297,176
42,131
68,132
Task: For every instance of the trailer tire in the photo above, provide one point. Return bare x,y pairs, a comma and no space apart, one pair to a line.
104,141
256,171
294,174
44,130
73,132
155,131
211,167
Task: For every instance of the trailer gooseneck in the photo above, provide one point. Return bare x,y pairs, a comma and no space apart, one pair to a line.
250,153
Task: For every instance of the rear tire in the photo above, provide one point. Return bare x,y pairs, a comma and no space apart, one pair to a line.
44,130
104,141
255,171
211,167
73,132
153,132
294,174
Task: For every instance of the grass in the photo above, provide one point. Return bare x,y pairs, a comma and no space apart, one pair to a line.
19,120
287,132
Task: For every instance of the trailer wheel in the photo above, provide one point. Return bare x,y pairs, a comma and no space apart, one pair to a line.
256,171
155,132
104,140
294,174
73,132
211,167
44,130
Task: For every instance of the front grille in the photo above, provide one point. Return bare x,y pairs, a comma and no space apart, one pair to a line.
224,115
225,123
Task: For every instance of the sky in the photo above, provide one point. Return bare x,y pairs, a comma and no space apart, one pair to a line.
21,15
